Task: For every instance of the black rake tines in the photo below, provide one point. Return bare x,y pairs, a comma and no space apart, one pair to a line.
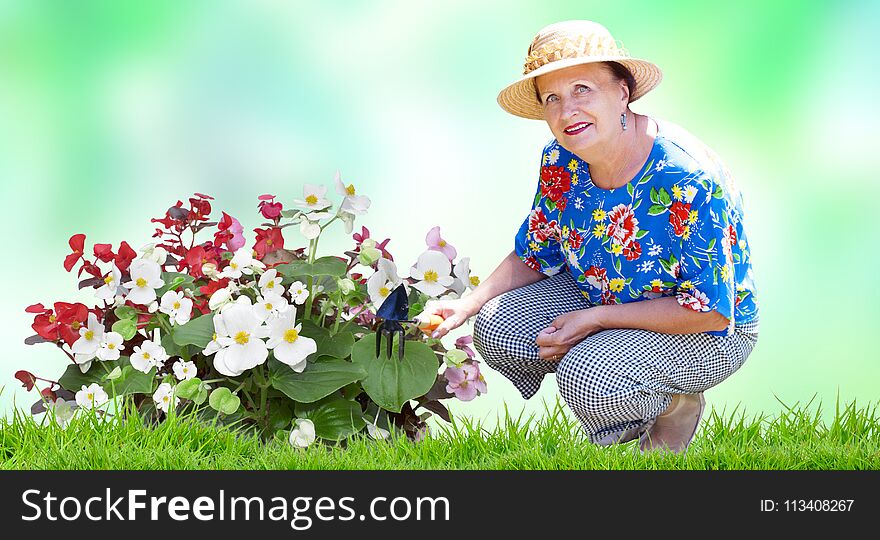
393,312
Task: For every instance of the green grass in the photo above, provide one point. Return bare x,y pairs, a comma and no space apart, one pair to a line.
794,439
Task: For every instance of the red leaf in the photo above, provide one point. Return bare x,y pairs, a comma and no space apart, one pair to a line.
27,379
49,394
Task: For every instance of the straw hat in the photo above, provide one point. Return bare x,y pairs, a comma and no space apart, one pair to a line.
571,43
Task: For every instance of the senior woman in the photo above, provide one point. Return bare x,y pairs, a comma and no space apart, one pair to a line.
630,278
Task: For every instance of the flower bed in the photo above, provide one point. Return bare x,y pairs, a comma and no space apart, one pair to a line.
275,339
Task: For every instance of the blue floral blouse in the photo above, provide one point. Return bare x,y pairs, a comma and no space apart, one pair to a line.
674,229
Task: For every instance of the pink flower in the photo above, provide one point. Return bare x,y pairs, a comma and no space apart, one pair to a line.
465,382
437,243
237,240
268,207
463,343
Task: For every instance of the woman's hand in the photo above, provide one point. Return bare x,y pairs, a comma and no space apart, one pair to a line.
454,313
566,331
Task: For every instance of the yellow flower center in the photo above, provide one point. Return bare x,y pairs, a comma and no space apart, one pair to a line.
442,243
291,335
268,307
270,285
52,318
90,396
111,346
89,335
146,356
350,189
431,276
75,325
176,305
269,242
214,337
383,292
141,282
108,280
165,399
242,338
475,281
311,199
233,265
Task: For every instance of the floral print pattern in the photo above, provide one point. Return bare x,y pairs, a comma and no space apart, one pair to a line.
676,229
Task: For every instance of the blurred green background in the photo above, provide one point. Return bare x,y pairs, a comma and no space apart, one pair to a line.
111,111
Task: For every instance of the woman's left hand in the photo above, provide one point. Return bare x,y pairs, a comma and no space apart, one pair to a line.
565,332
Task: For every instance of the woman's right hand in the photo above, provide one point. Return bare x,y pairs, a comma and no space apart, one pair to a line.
454,313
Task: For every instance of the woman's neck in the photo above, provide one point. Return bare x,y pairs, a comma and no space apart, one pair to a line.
616,166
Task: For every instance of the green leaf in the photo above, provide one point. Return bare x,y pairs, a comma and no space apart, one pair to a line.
656,210
336,420
391,382
646,179
198,332
132,380
638,203
172,348
338,346
125,312
551,205
125,327
320,378
222,400
174,280
654,197
189,388
629,189
280,416
617,264
711,244
665,200
324,266
113,375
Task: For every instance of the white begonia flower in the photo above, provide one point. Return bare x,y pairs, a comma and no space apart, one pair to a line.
111,284
463,279
149,355
219,298
162,396
110,346
309,229
376,432
286,342
432,270
91,396
154,253
242,262
242,346
303,433
352,202
219,329
63,412
313,197
184,370
177,306
86,347
270,282
298,292
210,270
145,279
270,306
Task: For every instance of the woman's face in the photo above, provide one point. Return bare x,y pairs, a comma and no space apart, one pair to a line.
582,105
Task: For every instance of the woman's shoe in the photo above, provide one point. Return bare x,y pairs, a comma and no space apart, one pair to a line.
675,428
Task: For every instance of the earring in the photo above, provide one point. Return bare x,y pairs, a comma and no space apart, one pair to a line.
623,121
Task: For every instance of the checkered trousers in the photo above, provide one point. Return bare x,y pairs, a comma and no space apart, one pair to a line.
616,381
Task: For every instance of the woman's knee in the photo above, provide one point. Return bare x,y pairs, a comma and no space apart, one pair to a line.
587,384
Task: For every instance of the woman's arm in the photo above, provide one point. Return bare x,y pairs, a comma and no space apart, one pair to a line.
510,274
664,315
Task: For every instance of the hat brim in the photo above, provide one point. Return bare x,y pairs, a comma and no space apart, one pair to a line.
519,98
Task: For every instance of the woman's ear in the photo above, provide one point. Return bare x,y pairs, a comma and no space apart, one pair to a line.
624,93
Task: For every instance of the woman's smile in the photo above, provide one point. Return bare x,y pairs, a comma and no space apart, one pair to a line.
575,129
